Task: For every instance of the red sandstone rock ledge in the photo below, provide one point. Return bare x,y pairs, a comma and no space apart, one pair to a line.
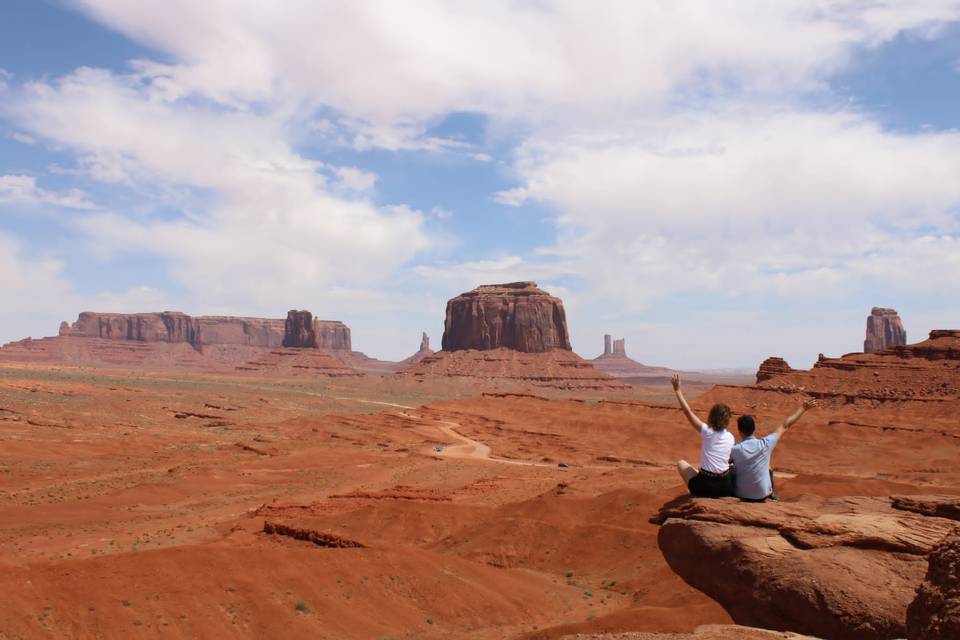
925,371
839,568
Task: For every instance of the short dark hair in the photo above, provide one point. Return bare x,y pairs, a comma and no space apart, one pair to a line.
719,417
747,425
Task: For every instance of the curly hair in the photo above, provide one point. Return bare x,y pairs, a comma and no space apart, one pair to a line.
719,417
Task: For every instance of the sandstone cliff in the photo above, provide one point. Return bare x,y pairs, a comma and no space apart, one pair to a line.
198,331
516,315
935,612
173,326
884,330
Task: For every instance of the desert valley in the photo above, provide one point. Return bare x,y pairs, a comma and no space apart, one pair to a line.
166,475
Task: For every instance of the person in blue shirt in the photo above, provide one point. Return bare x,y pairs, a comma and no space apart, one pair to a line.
751,457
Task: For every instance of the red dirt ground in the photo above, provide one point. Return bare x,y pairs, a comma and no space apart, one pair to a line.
135,504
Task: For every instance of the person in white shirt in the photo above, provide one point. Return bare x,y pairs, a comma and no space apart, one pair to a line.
715,478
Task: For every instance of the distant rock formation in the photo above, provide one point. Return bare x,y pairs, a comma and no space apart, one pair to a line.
299,331
772,367
614,361
935,612
515,315
512,333
173,327
884,330
920,371
200,331
422,353
842,567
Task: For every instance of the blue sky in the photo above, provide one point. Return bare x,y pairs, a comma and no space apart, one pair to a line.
716,183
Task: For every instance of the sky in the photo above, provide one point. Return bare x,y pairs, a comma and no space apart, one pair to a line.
716,182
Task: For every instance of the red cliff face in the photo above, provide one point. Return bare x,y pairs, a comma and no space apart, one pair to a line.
516,316
884,330
303,331
173,327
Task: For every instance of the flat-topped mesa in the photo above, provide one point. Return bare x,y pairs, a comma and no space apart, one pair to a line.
772,367
884,330
302,331
174,327
515,315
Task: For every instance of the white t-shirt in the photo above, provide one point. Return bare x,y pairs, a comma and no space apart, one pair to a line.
715,449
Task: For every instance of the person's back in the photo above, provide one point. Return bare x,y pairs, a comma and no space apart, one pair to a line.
751,461
751,457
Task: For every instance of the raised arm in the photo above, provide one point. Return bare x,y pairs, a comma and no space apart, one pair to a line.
808,404
691,416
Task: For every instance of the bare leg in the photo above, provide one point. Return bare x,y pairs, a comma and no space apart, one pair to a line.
687,471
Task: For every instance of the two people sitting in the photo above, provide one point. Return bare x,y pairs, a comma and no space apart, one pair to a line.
726,467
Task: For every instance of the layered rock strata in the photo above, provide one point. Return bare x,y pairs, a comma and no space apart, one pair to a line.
935,612
884,330
828,567
199,331
515,315
922,372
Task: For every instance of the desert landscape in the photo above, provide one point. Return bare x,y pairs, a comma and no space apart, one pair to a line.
480,320
167,476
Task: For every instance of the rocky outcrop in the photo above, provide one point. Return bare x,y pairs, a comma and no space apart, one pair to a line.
516,315
421,353
772,367
935,612
926,371
828,567
174,327
299,331
884,330
614,360
200,331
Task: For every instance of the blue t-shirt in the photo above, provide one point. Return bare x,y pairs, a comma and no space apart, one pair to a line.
751,457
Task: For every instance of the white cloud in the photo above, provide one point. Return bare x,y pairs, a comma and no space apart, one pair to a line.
354,179
23,190
791,203
261,223
388,63
22,138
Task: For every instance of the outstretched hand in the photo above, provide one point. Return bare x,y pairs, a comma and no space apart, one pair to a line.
675,381
809,403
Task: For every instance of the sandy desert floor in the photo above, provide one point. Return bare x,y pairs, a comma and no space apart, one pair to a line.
137,504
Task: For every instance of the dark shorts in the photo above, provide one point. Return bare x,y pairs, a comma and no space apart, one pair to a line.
711,485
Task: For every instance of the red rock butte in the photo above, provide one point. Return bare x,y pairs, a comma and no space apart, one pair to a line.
884,330
510,332
515,315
